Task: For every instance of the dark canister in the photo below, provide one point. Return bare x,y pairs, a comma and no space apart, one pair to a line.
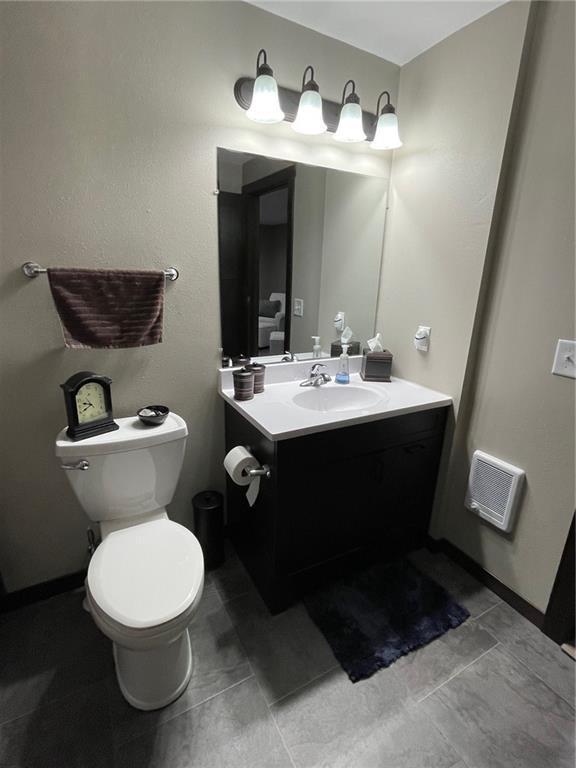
209,526
243,384
259,371
336,348
240,360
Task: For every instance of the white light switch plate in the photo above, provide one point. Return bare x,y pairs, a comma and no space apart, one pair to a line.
565,359
299,307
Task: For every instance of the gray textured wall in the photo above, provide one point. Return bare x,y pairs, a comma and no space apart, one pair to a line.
455,102
111,116
518,410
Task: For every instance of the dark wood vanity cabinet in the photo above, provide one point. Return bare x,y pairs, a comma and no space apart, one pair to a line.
335,499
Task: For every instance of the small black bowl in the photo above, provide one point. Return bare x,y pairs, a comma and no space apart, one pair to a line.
159,415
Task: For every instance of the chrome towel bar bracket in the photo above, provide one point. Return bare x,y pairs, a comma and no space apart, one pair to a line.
31,269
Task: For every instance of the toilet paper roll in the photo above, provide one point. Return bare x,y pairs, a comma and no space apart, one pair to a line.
253,491
237,463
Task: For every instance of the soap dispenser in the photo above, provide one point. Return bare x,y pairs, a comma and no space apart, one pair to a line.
316,349
343,375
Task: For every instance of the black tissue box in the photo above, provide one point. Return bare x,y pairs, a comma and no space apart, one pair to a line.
376,366
336,348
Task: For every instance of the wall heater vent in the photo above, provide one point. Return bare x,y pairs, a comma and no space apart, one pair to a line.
494,488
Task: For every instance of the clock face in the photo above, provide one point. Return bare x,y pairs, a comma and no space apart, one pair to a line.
90,402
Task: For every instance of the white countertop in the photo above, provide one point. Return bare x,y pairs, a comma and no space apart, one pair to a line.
278,417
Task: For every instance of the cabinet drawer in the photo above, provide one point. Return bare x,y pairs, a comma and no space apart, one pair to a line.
362,438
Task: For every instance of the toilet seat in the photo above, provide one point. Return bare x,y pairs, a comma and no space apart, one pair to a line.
141,639
146,575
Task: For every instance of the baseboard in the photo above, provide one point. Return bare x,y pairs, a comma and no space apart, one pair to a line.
22,597
13,600
508,595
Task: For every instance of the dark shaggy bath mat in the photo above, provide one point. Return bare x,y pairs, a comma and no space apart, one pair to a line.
372,618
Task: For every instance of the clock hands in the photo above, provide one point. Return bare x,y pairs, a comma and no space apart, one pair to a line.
88,404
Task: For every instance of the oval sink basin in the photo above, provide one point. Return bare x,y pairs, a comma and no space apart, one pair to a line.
337,398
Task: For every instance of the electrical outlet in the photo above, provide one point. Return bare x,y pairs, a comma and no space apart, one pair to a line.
422,338
565,359
299,307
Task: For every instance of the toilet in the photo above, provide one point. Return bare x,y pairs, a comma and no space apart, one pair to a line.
145,579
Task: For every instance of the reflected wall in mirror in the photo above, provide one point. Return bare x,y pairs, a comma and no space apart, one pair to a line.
297,245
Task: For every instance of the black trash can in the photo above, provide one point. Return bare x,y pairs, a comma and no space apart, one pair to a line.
208,509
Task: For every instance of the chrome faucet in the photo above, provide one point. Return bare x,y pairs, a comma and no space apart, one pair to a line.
316,378
289,357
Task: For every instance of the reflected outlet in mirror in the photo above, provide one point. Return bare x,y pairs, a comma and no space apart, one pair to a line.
297,245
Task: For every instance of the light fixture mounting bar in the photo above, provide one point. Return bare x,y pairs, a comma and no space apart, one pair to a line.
289,101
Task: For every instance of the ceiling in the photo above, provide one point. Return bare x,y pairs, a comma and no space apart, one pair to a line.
396,30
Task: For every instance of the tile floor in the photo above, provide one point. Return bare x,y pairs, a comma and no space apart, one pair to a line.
267,693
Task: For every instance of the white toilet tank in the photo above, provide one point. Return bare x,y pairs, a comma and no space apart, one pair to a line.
130,472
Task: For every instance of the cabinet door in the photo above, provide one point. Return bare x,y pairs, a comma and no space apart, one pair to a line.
378,502
378,519
418,467
321,515
398,491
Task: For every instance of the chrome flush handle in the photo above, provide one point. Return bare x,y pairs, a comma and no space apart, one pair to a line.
83,464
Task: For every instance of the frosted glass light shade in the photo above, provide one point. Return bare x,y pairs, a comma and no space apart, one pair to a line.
309,118
386,136
350,127
265,106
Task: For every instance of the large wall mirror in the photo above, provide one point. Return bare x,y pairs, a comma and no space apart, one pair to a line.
298,244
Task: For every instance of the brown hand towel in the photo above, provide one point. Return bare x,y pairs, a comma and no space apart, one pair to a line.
108,309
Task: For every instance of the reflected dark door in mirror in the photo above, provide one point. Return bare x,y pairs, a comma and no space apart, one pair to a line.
233,277
252,258
257,248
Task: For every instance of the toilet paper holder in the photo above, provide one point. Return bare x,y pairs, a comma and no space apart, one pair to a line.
263,471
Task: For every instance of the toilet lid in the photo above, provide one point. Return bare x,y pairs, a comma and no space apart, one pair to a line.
146,574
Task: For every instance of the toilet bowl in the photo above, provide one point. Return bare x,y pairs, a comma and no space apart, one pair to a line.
143,586
145,580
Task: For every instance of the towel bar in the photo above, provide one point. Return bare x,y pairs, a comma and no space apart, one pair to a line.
31,269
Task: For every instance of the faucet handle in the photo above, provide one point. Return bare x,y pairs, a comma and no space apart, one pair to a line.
315,370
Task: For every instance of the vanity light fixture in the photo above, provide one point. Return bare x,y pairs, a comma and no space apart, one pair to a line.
265,106
309,118
266,102
386,136
350,128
